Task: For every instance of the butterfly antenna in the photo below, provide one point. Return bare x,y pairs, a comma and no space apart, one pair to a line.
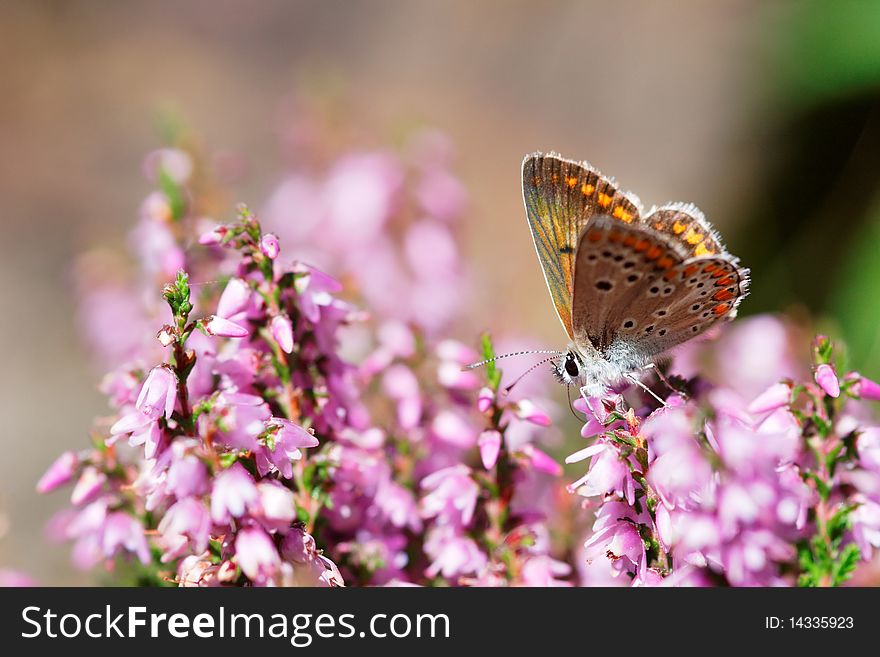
529,371
514,353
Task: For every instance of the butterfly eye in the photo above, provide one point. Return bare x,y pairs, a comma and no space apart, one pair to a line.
571,366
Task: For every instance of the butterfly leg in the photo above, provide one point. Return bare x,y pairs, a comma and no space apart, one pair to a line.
635,380
662,377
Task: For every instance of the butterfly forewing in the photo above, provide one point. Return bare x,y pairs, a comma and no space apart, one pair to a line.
561,196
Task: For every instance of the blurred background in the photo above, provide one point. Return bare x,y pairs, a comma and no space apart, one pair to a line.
766,115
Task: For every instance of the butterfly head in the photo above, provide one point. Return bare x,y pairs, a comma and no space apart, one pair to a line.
569,368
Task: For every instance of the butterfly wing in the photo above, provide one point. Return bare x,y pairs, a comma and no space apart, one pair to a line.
560,197
638,287
688,225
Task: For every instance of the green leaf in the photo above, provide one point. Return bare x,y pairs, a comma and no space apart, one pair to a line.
846,564
493,373
174,194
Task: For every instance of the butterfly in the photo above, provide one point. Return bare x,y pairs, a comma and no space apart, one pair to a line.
627,285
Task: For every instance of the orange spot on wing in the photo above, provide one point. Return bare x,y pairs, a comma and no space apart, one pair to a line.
703,250
594,235
587,189
727,280
678,227
571,181
604,200
622,214
692,236
554,178
654,252
723,295
719,273
641,245
665,262
690,270
629,240
709,268
721,308
614,236
669,275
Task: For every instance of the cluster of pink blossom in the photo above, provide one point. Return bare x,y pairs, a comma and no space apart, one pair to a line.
274,424
244,449
717,488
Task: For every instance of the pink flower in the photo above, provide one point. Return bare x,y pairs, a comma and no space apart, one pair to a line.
187,475
123,531
213,236
616,538
234,301
776,396
282,331
401,385
222,328
607,474
185,527
450,375
233,492
286,440
541,461
868,446
543,570
489,443
865,388
452,554
452,428
398,505
303,565
89,486
827,380
256,555
452,495
527,410
269,246
158,393
277,508
59,473
485,399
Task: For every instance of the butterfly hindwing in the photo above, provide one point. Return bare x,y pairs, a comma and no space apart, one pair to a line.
688,225
638,287
615,261
561,196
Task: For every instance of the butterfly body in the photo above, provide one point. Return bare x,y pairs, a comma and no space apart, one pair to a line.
627,285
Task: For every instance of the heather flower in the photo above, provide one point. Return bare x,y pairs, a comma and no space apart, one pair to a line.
827,380
233,492
528,411
59,473
89,485
485,399
282,332
452,497
283,442
157,395
490,445
776,396
452,554
223,328
864,388
256,555
185,528
269,246
122,531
